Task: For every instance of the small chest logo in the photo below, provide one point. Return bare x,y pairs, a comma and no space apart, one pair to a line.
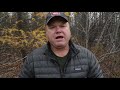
78,68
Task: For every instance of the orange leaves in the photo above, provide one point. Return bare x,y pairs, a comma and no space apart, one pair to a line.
20,39
38,37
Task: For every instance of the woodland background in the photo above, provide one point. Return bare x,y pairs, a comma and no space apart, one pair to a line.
22,32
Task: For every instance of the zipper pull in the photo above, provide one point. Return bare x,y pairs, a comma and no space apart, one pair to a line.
62,73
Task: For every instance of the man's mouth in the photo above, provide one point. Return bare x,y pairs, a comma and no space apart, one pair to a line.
59,37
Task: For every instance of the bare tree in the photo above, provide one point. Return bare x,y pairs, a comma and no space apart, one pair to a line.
100,32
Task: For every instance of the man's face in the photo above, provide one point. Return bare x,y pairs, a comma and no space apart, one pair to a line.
58,32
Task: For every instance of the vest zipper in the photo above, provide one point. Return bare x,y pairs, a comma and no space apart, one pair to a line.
60,69
62,75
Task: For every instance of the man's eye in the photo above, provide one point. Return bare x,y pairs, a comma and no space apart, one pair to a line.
63,26
51,27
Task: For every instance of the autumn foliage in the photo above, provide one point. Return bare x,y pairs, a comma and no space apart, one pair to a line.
21,33
19,38
12,43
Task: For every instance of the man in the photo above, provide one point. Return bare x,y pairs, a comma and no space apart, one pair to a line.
60,57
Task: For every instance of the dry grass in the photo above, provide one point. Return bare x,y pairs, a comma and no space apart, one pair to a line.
10,62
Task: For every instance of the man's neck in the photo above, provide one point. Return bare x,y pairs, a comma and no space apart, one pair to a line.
61,52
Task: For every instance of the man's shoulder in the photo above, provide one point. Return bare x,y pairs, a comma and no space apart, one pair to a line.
36,54
79,47
86,53
82,49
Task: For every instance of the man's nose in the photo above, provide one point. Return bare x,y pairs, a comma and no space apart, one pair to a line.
58,30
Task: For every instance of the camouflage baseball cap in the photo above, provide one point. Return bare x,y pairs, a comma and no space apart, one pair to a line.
50,15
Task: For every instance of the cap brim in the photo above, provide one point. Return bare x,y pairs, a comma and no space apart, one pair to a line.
53,17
